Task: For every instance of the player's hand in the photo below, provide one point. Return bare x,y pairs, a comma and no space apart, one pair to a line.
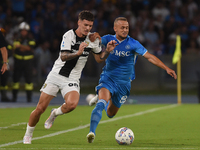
171,73
111,45
94,36
82,46
4,68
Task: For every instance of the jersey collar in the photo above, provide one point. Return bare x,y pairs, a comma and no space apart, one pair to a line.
122,40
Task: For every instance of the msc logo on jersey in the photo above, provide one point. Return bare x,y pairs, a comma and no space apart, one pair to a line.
123,99
121,53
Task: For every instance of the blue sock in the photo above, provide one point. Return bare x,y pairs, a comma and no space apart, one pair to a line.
97,114
106,110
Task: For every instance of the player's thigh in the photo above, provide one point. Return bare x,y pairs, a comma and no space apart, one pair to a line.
112,109
72,99
104,94
44,101
70,91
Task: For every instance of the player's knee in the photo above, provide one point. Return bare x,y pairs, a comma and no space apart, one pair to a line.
39,110
69,107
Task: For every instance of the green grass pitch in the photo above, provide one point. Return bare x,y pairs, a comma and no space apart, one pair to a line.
155,126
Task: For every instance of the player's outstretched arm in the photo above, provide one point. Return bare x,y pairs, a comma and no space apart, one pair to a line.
102,57
154,60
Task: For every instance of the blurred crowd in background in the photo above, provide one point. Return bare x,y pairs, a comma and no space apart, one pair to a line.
154,23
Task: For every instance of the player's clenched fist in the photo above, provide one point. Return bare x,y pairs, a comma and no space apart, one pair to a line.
94,36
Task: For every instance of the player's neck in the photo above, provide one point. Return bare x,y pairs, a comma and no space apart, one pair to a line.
79,34
120,39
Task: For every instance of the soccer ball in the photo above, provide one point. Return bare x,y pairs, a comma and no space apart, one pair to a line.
89,97
124,136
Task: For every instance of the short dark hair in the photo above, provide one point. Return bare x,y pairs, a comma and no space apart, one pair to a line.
87,15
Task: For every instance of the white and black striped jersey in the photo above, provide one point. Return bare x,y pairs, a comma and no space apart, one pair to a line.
72,68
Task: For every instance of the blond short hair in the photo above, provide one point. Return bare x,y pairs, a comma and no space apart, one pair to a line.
119,18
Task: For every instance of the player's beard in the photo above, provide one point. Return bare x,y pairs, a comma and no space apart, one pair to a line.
122,37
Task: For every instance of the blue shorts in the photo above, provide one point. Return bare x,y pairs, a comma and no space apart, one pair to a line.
119,92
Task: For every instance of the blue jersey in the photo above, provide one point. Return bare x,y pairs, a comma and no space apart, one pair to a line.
120,64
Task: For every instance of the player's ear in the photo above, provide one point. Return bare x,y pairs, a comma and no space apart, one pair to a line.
79,22
115,29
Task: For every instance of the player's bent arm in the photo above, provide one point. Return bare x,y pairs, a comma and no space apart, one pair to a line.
65,56
156,61
102,56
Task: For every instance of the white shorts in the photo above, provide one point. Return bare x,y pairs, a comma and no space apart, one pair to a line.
56,82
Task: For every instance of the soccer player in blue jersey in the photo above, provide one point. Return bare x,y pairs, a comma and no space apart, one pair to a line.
115,80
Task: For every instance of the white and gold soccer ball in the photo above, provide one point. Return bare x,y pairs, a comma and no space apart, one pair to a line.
124,136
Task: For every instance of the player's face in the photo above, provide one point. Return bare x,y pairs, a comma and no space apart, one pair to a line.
121,29
85,26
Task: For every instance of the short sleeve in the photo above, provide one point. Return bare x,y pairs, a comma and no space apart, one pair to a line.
141,50
104,40
67,41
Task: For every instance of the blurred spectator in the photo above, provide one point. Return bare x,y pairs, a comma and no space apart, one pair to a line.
18,7
50,19
184,37
151,38
23,61
161,10
43,59
192,8
193,48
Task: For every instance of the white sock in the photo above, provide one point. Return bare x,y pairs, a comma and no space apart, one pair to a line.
29,130
58,111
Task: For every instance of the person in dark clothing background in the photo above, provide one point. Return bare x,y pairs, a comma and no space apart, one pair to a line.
3,66
23,48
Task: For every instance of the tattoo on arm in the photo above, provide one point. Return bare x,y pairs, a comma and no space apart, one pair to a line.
65,56
104,55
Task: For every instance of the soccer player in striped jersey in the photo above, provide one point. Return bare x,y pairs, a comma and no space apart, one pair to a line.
65,74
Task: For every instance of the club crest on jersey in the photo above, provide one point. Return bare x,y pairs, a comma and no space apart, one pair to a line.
44,85
87,42
127,46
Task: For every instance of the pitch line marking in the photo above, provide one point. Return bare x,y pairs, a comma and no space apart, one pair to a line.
87,125
140,148
13,125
